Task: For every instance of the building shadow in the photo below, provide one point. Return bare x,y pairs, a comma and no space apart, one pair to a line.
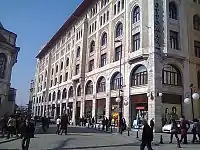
63,144
136,144
8,140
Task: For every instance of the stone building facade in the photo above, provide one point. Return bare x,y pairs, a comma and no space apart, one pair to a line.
156,43
8,57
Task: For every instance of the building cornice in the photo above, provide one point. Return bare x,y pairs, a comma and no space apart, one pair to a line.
73,18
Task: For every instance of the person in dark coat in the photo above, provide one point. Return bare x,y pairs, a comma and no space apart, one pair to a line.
174,131
64,124
27,130
147,136
185,125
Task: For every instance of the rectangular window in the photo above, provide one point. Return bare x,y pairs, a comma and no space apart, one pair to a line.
66,76
91,65
107,15
118,52
197,48
55,82
174,40
122,4
51,83
103,60
136,41
115,9
77,69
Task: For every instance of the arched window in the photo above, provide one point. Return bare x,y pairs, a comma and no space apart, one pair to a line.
3,61
58,95
89,87
101,85
49,97
119,30
198,79
54,96
64,93
79,91
173,11
196,22
70,92
171,75
104,39
92,46
37,100
116,81
136,14
78,51
139,76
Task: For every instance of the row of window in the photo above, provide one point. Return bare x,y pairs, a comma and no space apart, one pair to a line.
118,6
170,76
104,18
79,34
93,27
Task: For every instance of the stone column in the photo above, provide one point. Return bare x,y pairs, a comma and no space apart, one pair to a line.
74,104
108,99
55,111
60,108
94,107
82,108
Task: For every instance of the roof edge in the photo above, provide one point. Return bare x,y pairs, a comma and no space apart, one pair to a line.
66,25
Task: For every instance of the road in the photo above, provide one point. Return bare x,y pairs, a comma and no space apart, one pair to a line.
80,138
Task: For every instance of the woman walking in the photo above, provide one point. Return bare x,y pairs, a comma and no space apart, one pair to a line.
174,131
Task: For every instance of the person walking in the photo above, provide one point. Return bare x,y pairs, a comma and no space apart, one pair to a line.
174,131
64,124
184,125
194,130
147,136
11,127
27,132
58,123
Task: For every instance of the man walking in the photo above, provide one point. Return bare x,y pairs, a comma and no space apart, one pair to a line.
185,125
147,136
27,129
58,123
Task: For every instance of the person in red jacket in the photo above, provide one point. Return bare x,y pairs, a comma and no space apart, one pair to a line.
184,125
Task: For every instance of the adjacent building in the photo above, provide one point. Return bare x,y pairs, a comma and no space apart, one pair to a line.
145,51
8,57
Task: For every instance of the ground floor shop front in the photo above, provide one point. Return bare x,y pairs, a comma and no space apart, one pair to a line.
139,107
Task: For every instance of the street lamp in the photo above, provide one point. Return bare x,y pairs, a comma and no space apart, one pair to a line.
193,96
119,99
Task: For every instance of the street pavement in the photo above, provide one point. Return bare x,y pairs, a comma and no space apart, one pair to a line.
80,138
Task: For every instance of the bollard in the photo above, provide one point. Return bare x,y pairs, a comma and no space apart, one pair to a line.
128,132
111,128
137,135
161,140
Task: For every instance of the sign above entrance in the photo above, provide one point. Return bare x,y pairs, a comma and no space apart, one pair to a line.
140,108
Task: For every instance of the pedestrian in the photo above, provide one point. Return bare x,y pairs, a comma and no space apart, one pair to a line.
147,136
194,130
184,125
64,124
58,123
174,131
11,127
27,132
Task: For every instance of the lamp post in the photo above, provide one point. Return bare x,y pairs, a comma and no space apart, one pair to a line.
119,99
193,96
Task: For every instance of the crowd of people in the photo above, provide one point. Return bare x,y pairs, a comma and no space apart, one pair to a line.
19,126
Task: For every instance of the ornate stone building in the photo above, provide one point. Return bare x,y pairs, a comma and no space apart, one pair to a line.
8,57
156,43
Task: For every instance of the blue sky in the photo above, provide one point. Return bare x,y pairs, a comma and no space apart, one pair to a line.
35,22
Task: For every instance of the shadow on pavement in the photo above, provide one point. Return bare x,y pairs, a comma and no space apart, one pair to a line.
8,140
63,143
71,129
102,146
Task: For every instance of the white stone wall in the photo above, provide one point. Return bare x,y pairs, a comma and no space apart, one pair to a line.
154,61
